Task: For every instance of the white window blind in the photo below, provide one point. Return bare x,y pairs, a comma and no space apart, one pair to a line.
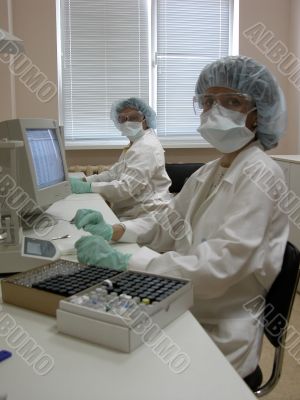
106,53
104,58
190,34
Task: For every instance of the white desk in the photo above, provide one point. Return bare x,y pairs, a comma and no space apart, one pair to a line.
84,371
63,210
66,208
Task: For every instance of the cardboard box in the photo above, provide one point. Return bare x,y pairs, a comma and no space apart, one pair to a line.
124,333
116,331
28,297
16,292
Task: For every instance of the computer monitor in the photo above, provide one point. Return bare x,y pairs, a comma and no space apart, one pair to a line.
33,175
41,165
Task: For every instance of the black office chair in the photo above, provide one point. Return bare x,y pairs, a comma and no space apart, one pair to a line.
179,173
279,299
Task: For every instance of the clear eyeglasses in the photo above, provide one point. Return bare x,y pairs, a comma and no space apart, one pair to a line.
132,116
233,101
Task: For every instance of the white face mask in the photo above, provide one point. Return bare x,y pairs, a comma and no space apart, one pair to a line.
225,129
133,130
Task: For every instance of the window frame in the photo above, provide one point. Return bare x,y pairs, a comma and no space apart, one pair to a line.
184,141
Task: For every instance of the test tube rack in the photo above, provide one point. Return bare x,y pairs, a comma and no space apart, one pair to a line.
117,312
40,289
97,304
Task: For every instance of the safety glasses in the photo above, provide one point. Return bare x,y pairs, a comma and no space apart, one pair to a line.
132,116
233,101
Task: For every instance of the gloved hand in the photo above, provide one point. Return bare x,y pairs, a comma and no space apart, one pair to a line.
77,186
94,250
93,222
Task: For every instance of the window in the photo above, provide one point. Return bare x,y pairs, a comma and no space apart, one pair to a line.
104,58
190,35
112,49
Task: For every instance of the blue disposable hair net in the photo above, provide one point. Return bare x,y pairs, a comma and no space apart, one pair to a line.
248,76
137,104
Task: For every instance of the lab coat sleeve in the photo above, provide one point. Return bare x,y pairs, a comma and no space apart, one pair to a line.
223,260
148,230
161,229
135,178
105,176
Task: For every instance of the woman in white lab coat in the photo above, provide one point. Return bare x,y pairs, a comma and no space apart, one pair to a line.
138,183
224,230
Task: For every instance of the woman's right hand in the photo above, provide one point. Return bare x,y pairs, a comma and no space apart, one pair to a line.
92,221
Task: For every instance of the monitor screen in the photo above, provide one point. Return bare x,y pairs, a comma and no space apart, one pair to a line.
46,157
40,167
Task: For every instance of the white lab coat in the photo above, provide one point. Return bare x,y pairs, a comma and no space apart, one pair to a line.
232,253
138,183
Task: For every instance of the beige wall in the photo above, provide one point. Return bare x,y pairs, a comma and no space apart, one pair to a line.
95,157
293,93
34,21
275,15
5,97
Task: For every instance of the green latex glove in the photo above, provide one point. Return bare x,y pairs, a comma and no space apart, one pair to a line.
94,250
93,222
77,186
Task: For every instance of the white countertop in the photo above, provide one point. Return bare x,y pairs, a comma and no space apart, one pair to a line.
292,158
85,371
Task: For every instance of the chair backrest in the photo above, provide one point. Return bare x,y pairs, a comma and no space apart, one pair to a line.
280,298
279,303
179,173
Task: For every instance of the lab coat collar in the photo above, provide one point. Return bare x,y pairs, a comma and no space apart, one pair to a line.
205,177
234,167
147,131
207,170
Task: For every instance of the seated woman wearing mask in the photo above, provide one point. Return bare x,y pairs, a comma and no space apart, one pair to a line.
235,233
138,183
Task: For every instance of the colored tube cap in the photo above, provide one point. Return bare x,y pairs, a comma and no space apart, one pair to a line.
4,354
